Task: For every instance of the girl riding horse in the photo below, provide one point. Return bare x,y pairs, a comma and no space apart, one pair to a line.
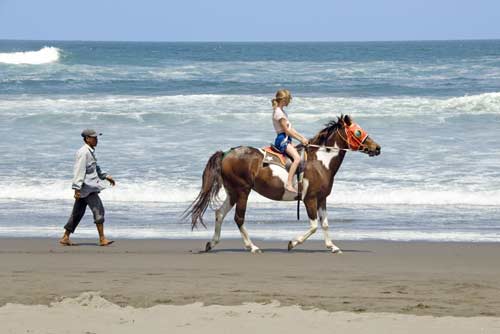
241,170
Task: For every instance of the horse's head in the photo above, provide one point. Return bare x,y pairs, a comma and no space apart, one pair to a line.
346,134
356,138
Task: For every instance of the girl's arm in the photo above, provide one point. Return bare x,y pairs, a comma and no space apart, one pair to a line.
293,133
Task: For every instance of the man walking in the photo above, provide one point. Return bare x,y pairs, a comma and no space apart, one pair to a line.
87,183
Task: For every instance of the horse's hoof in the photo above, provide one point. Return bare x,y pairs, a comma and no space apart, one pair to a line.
336,251
257,251
290,246
208,247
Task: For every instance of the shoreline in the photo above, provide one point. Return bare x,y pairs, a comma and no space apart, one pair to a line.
419,278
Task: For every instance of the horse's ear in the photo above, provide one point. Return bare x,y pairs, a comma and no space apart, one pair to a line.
347,120
340,120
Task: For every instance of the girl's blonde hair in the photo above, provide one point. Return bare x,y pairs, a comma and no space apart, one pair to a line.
281,95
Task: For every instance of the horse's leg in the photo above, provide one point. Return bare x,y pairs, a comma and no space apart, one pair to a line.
323,219
312,213
220,213
239,218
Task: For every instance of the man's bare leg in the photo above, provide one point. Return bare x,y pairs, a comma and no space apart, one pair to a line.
65,240
102,239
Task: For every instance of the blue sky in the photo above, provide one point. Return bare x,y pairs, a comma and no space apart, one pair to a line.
249,20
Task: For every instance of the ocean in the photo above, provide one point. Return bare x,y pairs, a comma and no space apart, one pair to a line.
165,108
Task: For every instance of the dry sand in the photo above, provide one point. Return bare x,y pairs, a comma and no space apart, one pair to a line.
89,313
432,279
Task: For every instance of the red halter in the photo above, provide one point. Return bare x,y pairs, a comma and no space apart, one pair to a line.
356,136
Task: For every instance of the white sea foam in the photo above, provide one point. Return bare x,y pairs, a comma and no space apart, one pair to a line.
314,73
45,55
171,191
278,232
216,107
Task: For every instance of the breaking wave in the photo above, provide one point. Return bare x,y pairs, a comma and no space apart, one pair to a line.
47,54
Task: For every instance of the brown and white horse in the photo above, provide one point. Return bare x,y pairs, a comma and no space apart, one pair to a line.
242,169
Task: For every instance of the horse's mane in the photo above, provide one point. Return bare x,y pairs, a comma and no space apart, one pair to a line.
323,135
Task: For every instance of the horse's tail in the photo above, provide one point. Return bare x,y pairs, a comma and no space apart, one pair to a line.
211,184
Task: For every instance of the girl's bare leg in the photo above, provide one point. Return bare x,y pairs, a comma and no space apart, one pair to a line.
292,152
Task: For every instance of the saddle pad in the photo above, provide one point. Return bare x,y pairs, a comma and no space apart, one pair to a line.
271,156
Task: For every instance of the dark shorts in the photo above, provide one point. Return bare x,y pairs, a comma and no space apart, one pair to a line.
282,141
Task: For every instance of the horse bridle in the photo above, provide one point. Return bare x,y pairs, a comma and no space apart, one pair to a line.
353,132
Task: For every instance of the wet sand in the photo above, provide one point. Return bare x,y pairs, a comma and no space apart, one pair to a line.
419,278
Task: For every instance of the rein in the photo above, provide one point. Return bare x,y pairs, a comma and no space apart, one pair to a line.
329,147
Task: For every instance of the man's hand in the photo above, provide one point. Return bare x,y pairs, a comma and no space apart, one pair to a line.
111,180
77,194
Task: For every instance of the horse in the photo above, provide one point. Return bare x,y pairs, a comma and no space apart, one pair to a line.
242,169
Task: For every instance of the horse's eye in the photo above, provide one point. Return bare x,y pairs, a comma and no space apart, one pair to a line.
357,133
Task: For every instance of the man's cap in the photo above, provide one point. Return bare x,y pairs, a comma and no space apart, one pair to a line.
90,133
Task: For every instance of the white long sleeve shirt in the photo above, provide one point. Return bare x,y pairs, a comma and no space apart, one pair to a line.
87,175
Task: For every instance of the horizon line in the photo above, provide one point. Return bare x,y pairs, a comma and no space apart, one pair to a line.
250,41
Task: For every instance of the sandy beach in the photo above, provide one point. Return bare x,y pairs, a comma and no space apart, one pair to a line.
408,279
